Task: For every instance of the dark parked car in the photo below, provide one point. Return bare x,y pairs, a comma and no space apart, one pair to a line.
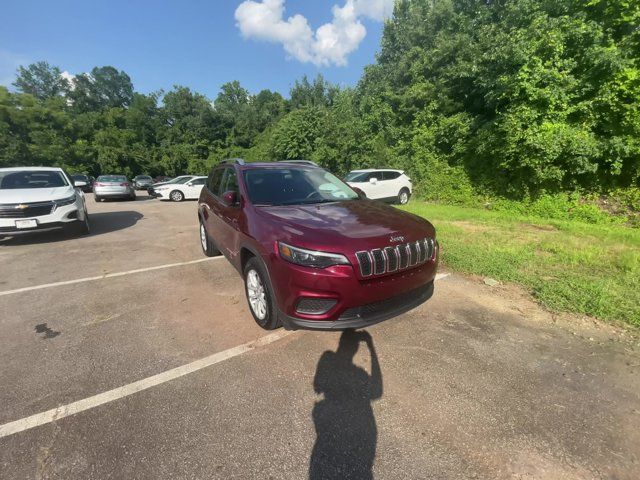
86,179
312,252
142,182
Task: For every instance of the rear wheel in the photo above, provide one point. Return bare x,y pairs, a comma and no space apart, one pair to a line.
260,295
176,196
97,198
208,248
403,196
132,197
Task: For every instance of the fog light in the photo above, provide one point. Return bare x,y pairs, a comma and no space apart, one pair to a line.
315,306
73,214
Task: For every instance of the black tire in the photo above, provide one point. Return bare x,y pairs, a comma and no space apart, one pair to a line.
176,196
80,227
133,197
270,321
403,196
97,198
208,247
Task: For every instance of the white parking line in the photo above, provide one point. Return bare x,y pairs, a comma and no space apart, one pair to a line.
117,393
106,275
120,392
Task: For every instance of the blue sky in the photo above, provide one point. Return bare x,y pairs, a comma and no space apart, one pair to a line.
192,43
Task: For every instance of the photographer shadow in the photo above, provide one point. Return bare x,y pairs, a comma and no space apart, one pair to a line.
346,433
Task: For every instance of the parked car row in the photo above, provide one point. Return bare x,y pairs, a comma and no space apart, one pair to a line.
315,252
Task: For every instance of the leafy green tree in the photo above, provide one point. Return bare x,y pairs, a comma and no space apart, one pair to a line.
104,87
41,80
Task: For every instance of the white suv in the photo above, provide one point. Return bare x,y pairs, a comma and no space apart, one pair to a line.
40,198
381,184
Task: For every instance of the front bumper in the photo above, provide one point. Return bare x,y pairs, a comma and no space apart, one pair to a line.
41,227
60,217
365,315
357,301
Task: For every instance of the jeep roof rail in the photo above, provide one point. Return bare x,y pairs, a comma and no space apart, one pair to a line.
237,161
301,162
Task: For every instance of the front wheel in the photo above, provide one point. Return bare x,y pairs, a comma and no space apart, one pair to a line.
81,227
176,196
403,196
259,295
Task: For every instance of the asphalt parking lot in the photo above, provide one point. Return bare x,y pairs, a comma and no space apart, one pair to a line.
160,372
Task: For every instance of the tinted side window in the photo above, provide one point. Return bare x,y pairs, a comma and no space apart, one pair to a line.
198,181
377,175
230,181
214,180
391,175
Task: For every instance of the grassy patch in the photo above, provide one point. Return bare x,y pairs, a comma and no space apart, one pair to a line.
568,265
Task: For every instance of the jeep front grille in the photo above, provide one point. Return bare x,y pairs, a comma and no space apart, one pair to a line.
389,259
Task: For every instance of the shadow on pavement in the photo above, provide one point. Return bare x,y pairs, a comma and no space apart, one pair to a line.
140,197
101,223
346,433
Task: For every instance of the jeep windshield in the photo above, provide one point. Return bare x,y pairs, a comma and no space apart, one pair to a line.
295,186
31,179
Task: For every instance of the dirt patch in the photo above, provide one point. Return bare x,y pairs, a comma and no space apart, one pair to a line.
533,227
512,298
469,226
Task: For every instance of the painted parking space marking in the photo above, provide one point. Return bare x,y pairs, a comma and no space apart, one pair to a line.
135,387
106,275
63,411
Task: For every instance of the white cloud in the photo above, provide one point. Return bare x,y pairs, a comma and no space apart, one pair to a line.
69,78
330,44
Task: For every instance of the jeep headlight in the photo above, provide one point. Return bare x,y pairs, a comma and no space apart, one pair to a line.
65,201
310,258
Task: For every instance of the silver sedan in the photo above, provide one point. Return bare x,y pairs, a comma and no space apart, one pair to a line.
113,186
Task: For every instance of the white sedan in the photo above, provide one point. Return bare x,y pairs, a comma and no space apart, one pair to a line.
177,192
41,198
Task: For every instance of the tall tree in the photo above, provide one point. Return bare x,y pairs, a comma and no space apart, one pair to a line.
104,87
41,80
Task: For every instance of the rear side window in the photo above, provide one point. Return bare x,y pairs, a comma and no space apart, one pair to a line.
214,180
199,181
390,175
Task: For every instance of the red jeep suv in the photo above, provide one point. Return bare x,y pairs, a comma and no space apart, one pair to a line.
313,254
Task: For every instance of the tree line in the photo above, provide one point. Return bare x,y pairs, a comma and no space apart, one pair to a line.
499,97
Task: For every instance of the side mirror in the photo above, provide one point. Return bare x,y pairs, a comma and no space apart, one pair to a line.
373,180
189,184
79,183
230,198
360,193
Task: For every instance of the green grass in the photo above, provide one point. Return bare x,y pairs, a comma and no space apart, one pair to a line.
567,265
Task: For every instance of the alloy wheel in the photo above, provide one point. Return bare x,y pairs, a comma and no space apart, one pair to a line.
256,293
203,237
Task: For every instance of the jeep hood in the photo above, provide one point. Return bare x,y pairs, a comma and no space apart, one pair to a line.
354,222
